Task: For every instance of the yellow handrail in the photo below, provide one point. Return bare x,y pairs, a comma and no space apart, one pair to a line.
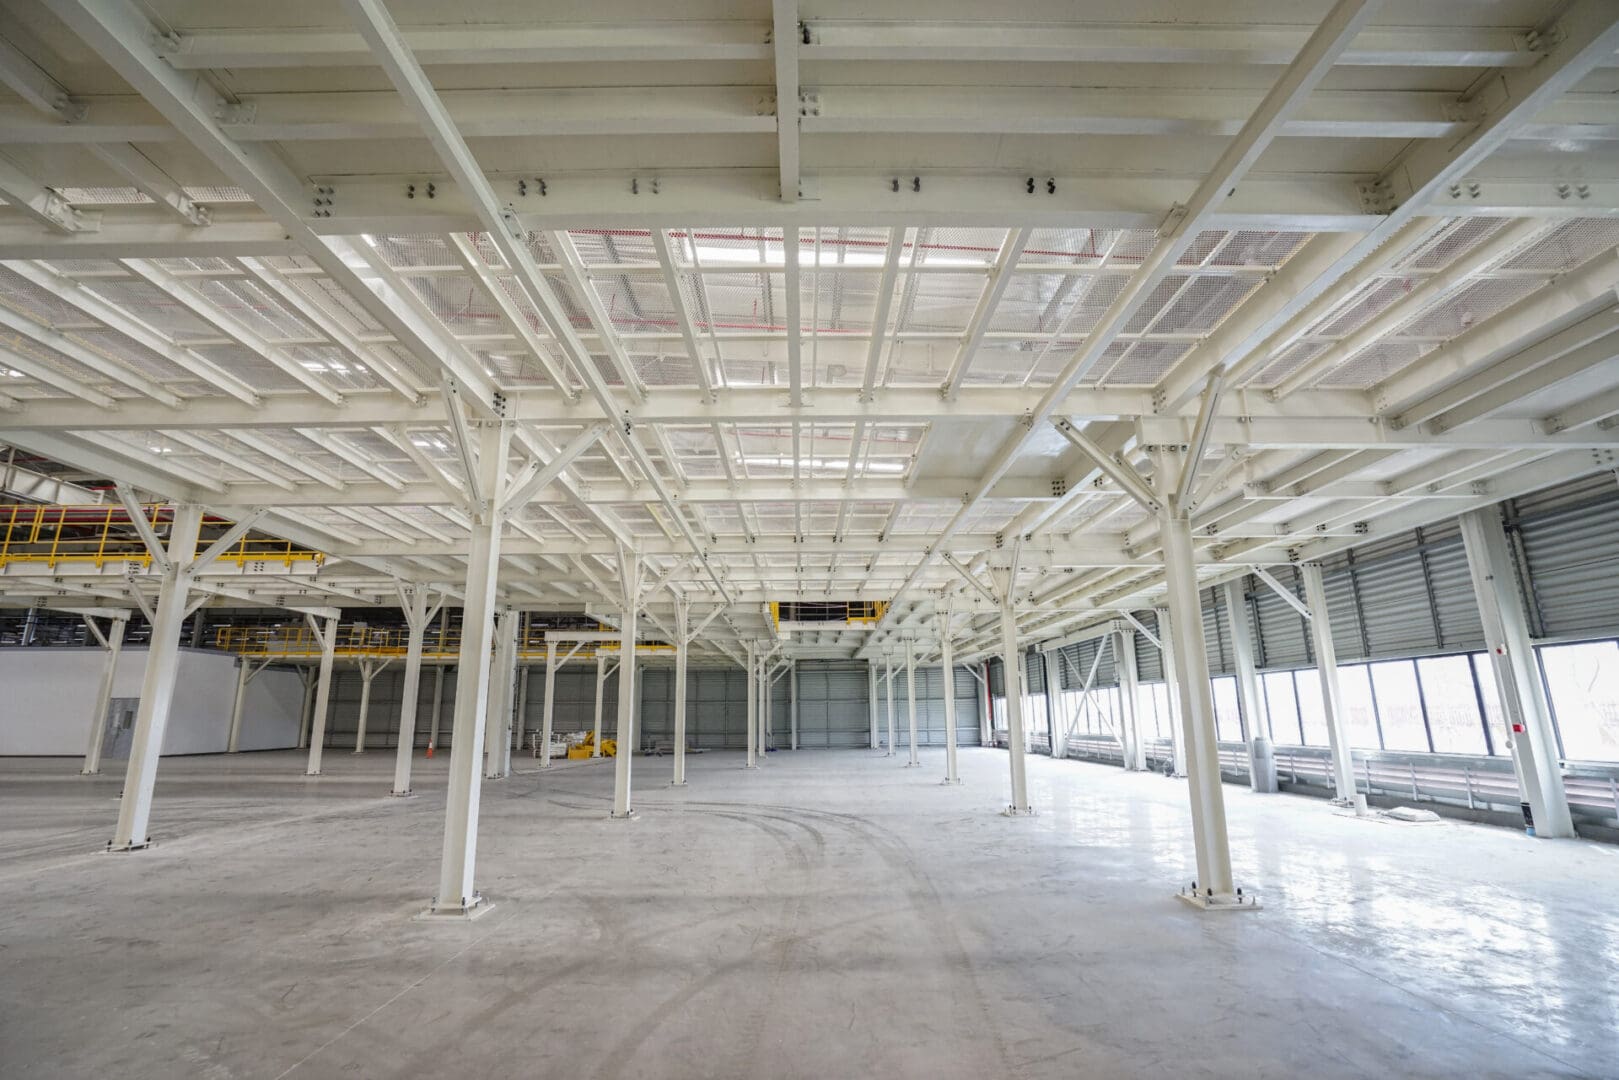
54,547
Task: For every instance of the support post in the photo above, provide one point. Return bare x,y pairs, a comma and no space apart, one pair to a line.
238,702
109,669
157,686
792,695
682,643
601,683
416,619
871,700
1014,694
499,708
1214,886
986,717
1059,728
368,672
438,683
890,676
765,703
1332,697
910,699
753,706
1261,750
947,671
323,693
1517,676
456,895
630,571
306,718
549,704
1167,651
1124,661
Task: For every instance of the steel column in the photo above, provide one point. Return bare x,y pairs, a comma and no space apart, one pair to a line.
871,700
499,707
792,695
323,694
682,643
890,677
1167,649
630,571
416,618
1332,697
910,699
549,704
109,669
368,672
233,742
1261,750
157,685
1059,739
1214,879
1014,695
753,705
456,894
1517,676
307,716
947,669
601,683
1132,741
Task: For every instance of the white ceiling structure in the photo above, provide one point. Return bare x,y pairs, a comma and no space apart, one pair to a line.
809,301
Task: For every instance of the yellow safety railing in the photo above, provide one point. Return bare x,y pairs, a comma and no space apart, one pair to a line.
854,611
55,536
300,642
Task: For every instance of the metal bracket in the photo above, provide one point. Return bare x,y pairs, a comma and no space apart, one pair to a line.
1377,196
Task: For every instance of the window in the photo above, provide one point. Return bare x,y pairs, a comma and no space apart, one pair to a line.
1312,711
1360,715
1102,707
1399,704
1160,705
1583,683
1452,702
1227,717
1282,706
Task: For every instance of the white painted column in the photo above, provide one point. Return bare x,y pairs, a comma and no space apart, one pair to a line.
1214,877
986,718
947,669
792,703
114,641
601,683
456,893
323,694
871,700
416,619
1134,740
438,683
1517,676
157,686
1261,751
233,742
1332,696
753,706
520,713
307,716
628,692
1014,695
1172,676
1059,724
889,676
368,673
767,707
549,704
498,708
910,699
682,643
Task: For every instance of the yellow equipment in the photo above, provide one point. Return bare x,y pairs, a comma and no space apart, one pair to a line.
582,750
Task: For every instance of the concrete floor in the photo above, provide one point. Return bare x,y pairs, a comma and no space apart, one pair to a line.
830,915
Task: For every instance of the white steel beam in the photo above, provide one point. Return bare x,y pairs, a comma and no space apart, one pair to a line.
1332,699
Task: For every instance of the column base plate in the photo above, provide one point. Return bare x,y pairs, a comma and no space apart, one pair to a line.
1218,901
456,913
1013,811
